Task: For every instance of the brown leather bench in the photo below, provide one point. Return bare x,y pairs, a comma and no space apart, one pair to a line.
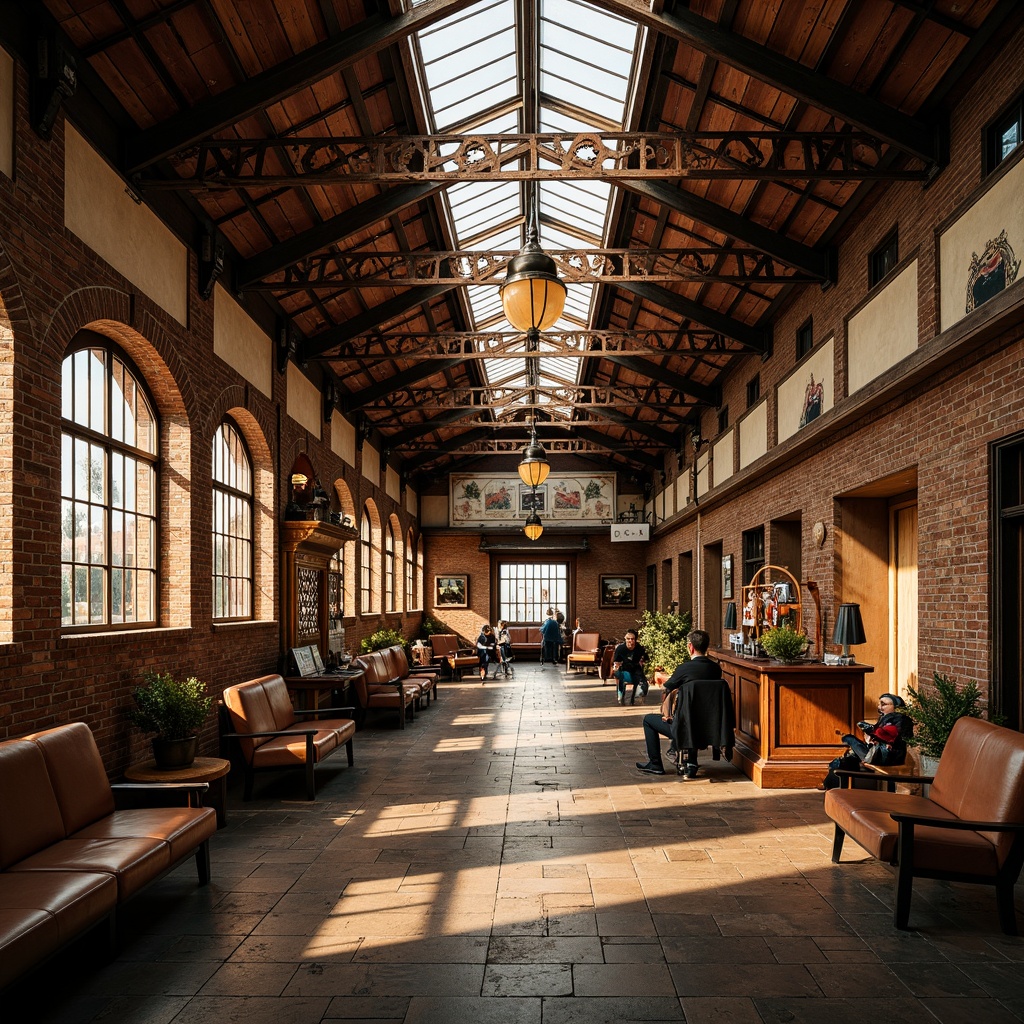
970,827
526,640
71,852
586,651
381,688
422,676
270,735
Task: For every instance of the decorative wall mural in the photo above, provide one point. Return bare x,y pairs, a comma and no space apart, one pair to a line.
483,499
814,400
991,272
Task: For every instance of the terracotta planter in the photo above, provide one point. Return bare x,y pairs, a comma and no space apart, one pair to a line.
175,753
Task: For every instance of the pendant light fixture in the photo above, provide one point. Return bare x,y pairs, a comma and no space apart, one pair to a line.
534,527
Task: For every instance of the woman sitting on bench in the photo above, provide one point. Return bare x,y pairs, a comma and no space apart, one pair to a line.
886,742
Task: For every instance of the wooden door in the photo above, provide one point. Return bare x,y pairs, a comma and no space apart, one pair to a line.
903,603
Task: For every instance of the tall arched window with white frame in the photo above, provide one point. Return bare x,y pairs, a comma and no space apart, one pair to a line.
232,525
109,493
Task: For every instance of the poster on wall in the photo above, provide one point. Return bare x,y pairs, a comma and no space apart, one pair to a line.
451,591
492,499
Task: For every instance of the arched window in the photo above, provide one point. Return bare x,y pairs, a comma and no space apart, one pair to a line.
232,525
389,568
365,563
109,493
410,573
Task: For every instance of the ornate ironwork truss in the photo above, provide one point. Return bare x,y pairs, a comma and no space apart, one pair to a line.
557,446
315,162
513,400
704,264
416,347
478,416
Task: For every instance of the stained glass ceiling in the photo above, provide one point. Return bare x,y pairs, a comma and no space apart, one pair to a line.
479,80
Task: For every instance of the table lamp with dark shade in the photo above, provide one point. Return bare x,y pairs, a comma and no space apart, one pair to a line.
730,616
849,630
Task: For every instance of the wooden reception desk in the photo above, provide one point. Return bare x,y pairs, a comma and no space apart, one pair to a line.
787,717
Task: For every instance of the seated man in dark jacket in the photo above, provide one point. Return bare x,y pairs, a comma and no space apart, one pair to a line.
656,725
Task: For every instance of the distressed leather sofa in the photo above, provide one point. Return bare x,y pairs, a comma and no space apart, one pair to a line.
970,827
422,676
70,852
270,735
526,640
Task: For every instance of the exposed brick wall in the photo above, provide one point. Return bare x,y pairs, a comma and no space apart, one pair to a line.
51,287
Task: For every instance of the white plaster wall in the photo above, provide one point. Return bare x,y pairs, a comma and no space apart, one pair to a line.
304,401
371,464
884,331
753,430
240,342
434,510
1001,208
6,114
703,474
723,460
124,233
343,438
683,490
820,364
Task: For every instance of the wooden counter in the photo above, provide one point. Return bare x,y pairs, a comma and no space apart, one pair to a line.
787,717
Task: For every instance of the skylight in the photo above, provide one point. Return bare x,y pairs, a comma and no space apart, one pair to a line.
473,67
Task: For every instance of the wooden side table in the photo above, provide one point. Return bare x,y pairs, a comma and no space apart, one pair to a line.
213,770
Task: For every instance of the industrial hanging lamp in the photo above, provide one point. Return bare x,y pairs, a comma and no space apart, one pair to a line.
533,296
534,527
534,468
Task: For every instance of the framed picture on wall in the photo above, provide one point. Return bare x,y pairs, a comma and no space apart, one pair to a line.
533,499
727,577
451,591
617,591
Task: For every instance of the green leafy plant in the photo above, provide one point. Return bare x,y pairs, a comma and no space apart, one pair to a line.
431,626
176,709
381,639
936,711
663,636
784,643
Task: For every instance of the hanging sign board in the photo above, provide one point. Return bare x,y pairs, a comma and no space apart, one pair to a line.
631,531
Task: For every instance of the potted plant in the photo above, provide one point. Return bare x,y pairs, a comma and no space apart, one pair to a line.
381,639
785,644
663,636
935,712
175,710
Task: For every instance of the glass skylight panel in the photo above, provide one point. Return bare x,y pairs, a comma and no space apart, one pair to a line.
486,302
480,207
577,301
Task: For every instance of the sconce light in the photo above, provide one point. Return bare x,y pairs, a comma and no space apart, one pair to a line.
534,527
849,629
730,616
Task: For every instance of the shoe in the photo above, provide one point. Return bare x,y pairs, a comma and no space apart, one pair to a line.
621,699
651,768
691,772
672,752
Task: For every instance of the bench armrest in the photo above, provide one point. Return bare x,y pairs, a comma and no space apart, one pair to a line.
956,823
130,795
320,711
880,776
268,733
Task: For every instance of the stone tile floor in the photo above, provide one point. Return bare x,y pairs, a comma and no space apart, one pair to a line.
501,861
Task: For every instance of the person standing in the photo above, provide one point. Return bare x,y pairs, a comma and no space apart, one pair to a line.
487,651
551,639
504,639
656,725
628,667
